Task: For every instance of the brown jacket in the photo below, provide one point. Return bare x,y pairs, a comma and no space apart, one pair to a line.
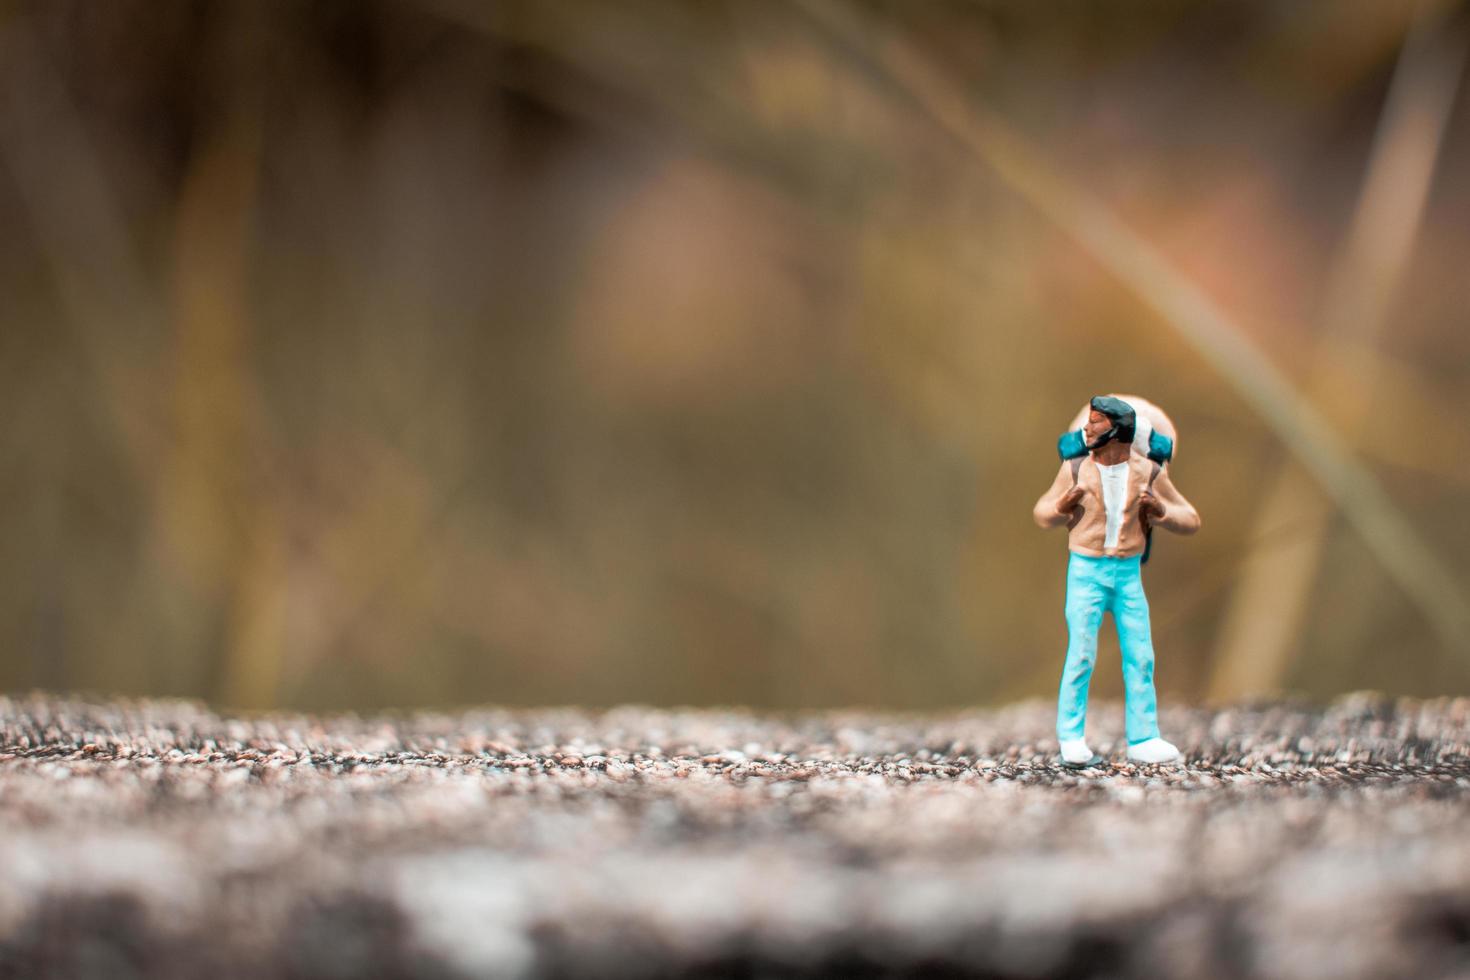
1089,519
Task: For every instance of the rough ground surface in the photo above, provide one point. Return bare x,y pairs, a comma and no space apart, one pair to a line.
156,839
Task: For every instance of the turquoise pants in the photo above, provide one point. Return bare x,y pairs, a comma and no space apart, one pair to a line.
1096,586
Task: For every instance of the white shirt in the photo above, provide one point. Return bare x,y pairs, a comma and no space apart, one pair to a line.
1114,487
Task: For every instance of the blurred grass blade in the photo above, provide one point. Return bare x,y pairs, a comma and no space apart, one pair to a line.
1183,306
1263,623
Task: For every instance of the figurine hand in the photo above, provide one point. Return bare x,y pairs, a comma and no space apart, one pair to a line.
1069,500
1150,508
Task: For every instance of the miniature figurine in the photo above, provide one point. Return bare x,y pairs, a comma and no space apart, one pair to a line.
1112,490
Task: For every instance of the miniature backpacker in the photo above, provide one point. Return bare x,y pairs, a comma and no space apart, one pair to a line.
1154,437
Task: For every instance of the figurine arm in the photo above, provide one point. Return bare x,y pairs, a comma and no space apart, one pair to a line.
1047,512
1179,514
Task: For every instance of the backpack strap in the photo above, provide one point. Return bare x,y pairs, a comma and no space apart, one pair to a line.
1076,512
1148,531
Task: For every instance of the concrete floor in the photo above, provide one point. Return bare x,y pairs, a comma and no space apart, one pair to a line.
158,839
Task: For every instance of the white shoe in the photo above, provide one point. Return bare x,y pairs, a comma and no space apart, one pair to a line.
1075,751
1154,750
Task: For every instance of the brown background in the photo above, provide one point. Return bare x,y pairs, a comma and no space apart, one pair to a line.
423,353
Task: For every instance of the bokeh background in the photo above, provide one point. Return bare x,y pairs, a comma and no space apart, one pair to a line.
421,352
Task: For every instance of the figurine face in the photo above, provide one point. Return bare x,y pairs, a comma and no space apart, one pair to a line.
1097,424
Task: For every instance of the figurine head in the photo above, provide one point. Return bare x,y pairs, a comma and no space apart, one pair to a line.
1152,432
1108,419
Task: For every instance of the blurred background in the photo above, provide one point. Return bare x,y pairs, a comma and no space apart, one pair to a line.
420,352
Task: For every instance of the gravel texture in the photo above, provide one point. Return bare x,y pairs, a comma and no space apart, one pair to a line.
158,839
